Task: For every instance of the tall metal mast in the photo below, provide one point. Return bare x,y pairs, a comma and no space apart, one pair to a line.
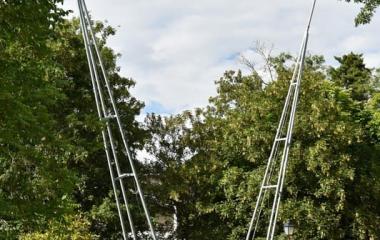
274,176
108,113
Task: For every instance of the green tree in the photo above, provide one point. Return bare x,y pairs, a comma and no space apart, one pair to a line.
35,183
353,75
332,183
367,11
79,123
51,155
180,167
73,227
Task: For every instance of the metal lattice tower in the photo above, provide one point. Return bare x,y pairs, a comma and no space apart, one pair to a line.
274,176
108,113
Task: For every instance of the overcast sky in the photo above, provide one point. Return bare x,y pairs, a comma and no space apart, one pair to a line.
176,49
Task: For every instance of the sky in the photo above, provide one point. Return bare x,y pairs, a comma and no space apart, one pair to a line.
175,49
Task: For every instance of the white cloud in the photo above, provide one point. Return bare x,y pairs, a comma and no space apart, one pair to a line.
373,59
176,49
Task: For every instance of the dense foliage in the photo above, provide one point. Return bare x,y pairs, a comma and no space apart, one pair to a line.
367,11
211,161
204,166
79,123
51,155
35,181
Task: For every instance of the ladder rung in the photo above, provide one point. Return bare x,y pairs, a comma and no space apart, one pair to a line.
124,175
269,186
280,139
109,117
293,83
133,191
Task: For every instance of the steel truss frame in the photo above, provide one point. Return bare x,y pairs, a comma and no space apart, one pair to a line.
108,113
278,159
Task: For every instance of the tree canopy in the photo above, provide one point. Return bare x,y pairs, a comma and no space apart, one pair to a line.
203,166
367,11
51,156
216,156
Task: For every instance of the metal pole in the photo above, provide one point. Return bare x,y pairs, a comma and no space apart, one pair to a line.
275,143
98,93
109,131
290,133
284,162
95,90
121,130
147,215
287,118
